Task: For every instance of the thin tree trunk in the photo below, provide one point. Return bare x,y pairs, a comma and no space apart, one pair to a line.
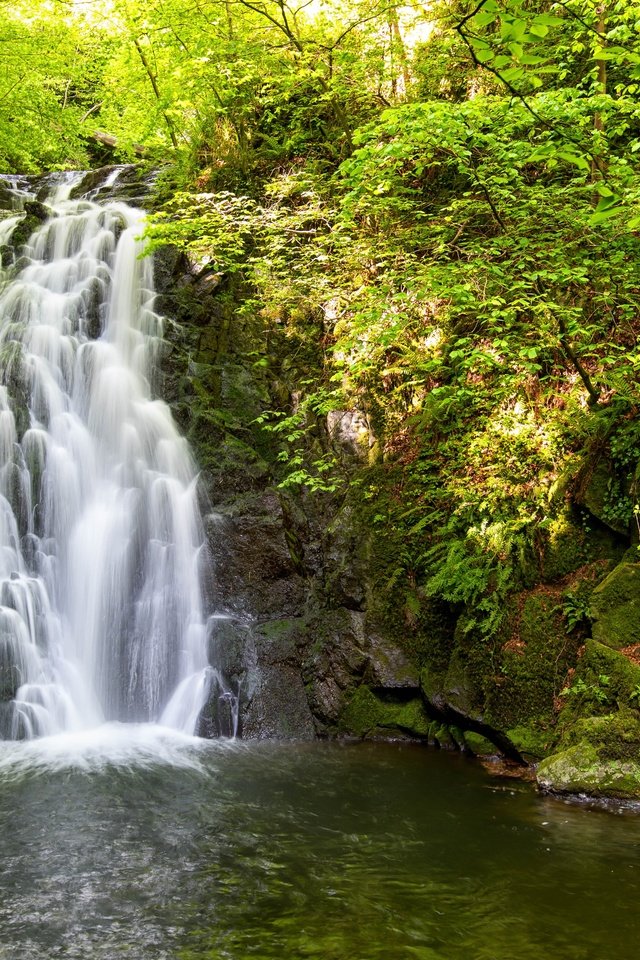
154,85
598,122
572,356
396,35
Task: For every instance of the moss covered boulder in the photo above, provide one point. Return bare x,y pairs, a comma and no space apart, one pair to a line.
580,770
604,679
369,716
602,759
597,494
615,607
478,745
529,668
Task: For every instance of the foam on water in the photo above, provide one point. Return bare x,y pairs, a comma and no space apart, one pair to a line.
123,745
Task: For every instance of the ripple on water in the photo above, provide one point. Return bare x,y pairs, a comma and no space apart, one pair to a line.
137,843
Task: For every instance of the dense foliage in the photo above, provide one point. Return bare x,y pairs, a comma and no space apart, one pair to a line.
463,249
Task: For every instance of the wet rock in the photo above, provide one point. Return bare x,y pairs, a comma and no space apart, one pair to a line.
580,770
335,660
278,707
20,236
129,182
275,701
169,266
389,667
6,721
92,300
37,210
345,561
455,690
478,745
7,195
599,756
9,679
255,571
370,716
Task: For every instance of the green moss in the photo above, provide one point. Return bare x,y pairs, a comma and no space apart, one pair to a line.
531,741
580,770
615,736
601,756
366,715
461,683
624,676
28,225
565,547
596,493
280,634
530,665
615,607
479,745
444,738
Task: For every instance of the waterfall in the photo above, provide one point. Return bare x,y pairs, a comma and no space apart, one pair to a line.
101,540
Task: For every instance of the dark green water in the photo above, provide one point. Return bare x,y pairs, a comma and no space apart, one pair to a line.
352,852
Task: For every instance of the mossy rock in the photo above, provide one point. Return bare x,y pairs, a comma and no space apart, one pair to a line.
602,758
443,737
24,229
458,688
616,736
565,548
530,665
532,742
596,496
617,677
615,607
580,770
367,716
479,745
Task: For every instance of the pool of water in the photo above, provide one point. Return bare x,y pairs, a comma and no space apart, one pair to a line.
160,847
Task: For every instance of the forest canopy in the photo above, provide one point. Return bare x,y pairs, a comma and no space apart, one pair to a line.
243,82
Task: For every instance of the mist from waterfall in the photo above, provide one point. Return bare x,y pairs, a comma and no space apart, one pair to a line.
102,549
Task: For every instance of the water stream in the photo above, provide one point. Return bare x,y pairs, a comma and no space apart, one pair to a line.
101,543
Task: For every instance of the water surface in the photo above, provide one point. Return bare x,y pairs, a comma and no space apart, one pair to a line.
155,846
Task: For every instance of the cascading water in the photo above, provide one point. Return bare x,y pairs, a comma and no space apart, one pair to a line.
101,541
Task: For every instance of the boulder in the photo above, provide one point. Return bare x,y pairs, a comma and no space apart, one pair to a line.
580,770
601,758
615,607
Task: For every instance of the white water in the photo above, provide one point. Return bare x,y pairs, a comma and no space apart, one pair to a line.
101,541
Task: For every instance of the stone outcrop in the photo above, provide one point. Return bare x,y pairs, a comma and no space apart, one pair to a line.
294,632
601,758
